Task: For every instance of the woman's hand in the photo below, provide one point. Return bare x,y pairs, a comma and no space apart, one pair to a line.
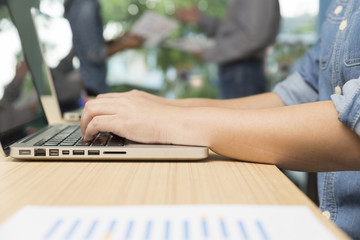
137,94
129,115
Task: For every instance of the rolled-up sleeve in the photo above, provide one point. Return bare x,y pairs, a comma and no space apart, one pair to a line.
348,105
302,86
295,90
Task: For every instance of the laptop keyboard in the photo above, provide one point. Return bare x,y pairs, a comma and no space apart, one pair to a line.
71,136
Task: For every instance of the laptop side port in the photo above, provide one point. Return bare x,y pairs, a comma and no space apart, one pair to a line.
40,152
65,152
24,152
54,152
114,152
93,152
78,152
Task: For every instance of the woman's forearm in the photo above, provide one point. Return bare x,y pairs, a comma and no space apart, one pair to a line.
305,137
265,100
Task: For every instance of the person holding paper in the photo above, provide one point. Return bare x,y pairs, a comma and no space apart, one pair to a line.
310,122
90,46
240,43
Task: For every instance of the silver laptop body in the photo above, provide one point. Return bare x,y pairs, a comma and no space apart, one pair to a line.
26,134
28,148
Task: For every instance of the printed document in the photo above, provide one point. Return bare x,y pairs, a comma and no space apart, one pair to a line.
192,44
154,27
167,222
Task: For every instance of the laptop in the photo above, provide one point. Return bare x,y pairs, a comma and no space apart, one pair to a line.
55,39
24,129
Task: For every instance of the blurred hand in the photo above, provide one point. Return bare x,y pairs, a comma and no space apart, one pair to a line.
21,70
199,55
128,40
188,15
132,41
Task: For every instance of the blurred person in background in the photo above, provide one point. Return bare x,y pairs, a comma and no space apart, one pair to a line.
241,40
90,46
13,103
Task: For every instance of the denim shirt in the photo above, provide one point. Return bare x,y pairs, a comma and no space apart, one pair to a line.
331,71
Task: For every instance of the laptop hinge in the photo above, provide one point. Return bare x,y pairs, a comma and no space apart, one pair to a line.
4,151
37,133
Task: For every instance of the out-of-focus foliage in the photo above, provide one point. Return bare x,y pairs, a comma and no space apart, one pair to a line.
282,59
127,12
124,13
116,10
287,53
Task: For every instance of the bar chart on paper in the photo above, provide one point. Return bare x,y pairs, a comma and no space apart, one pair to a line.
165,222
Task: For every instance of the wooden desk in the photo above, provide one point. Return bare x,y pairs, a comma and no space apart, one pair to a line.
216,181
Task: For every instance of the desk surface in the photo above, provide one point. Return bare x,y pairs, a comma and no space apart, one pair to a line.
217,180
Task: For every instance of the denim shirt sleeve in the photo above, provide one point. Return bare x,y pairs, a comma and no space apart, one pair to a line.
348,105
295,90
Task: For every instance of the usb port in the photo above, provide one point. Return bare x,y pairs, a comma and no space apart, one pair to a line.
54,152
40,152
65,152
78,152
24,152
93,152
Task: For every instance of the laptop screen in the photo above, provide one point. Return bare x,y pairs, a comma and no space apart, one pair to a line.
21,112
55,37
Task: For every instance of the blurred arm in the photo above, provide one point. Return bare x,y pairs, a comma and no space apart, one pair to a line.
127,41
210,25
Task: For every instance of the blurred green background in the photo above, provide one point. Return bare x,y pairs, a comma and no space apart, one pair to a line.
173,73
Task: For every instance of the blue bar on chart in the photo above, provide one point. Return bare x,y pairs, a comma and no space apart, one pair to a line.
52,230
205,228
262,230
110,230
72,229
148,230
223,228
91,230
167,230
129,230
243,231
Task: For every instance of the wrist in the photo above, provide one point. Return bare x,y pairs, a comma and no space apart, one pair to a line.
188,126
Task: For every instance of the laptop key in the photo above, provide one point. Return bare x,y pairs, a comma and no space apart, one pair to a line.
50,144
67,144
40,143
116,141
81,142
101,139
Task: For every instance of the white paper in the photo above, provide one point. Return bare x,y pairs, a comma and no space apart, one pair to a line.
154,27
167,222
190,44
